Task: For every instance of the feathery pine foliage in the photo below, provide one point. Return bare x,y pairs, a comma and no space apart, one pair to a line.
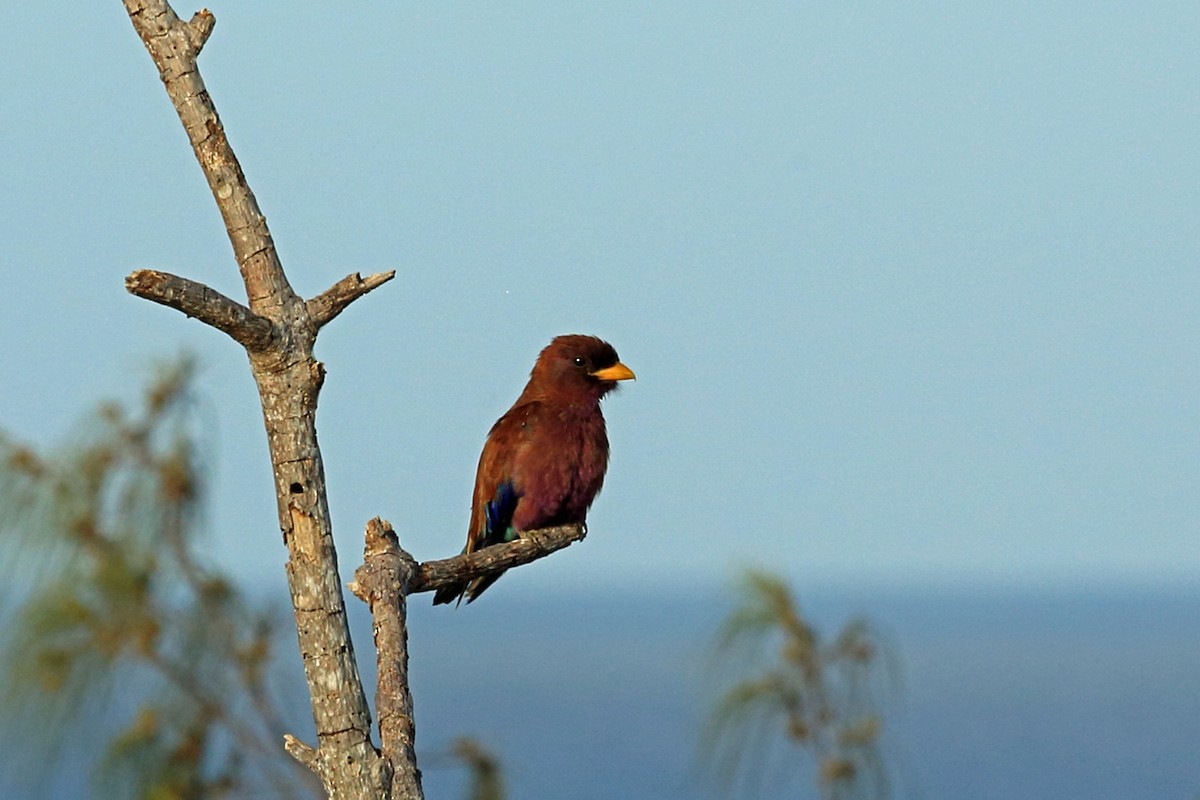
798,705
109,614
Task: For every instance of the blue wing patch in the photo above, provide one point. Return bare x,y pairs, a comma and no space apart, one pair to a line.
499,512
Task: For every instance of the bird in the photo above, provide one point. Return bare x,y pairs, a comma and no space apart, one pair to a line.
544,460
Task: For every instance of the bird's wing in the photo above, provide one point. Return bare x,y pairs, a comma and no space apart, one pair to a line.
497,481
497,492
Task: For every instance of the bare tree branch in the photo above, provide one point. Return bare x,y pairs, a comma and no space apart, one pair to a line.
174,46
207,305
381,583
289,381
279,331
333,301
433,575
300,751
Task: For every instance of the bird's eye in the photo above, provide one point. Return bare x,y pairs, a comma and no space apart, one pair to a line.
578,361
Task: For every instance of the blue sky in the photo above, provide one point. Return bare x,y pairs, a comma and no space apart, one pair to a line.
911,293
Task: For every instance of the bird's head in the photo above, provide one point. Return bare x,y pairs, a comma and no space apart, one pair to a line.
577,367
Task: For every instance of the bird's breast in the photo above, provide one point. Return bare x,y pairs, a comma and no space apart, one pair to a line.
564,470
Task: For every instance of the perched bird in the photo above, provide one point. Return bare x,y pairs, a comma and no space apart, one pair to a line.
543,462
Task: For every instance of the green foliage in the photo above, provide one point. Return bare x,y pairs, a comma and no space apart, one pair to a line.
109,614
797,705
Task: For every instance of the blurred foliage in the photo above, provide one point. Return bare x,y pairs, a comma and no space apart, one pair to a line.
109,615
483,767
798,705
120,647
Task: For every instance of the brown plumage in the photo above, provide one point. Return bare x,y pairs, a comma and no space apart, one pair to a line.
544,461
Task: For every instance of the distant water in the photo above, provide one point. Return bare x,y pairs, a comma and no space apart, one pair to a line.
1006,695
1012,695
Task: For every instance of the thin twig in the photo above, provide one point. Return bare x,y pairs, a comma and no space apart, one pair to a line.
333,301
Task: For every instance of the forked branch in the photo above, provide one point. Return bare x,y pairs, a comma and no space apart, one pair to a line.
278,330
174,46
279,334
384,581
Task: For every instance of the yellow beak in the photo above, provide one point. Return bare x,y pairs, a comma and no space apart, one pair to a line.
617,372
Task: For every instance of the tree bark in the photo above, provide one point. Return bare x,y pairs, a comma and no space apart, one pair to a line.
278,330
382,583
532,545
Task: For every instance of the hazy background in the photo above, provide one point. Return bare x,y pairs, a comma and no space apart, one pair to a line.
911,292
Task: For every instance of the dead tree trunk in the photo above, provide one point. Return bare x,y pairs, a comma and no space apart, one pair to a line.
278,330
